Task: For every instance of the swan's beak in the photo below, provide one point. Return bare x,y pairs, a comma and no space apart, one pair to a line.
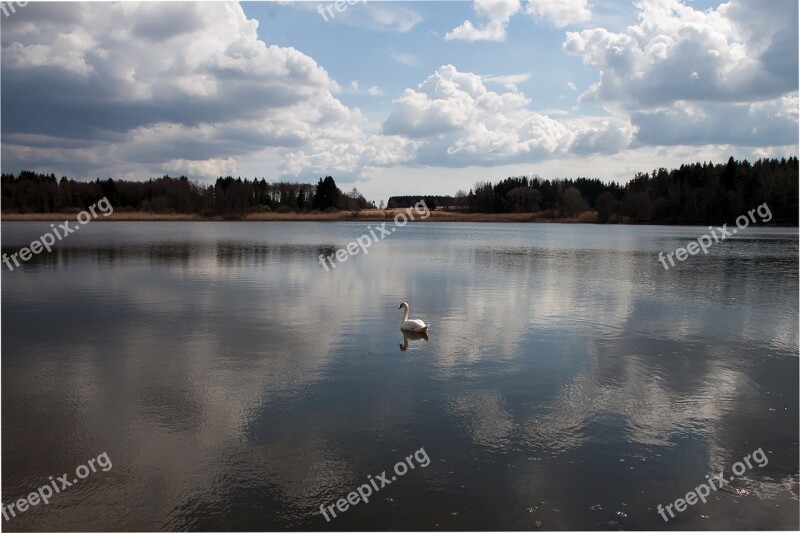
400,307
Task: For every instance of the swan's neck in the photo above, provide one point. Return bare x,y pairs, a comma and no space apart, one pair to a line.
405,314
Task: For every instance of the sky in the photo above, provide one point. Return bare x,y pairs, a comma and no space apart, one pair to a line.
395,97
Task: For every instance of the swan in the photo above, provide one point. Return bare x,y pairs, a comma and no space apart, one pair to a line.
411,325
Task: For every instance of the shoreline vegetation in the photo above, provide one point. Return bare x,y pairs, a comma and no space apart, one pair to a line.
367,215
698,193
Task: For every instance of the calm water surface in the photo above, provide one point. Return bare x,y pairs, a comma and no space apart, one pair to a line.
236,385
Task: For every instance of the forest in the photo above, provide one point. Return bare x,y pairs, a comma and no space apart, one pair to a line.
694,193
229,198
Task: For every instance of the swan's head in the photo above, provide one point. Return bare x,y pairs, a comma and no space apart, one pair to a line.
403,305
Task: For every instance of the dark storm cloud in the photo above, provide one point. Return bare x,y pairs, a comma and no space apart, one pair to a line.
151,83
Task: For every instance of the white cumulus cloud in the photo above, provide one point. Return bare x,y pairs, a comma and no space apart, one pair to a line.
497,13
458,121
677,52
691,76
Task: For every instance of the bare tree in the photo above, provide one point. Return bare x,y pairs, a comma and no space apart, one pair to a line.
573,203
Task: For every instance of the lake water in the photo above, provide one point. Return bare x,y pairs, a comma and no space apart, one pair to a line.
236,385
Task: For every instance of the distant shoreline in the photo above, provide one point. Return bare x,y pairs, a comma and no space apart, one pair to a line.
370,215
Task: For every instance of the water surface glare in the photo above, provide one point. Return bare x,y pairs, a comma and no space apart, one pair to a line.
567,378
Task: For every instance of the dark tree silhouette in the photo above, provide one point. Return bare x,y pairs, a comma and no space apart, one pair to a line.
700,193
327,194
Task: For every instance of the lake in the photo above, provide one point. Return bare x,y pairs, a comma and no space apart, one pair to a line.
568,381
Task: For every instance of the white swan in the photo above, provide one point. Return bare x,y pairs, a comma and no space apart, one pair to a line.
411,325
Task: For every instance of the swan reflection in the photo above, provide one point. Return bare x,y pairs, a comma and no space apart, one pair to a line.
413,336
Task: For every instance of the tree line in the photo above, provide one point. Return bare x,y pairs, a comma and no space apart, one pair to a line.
228,197
695,193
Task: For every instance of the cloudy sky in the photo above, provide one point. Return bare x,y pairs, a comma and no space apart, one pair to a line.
396,97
